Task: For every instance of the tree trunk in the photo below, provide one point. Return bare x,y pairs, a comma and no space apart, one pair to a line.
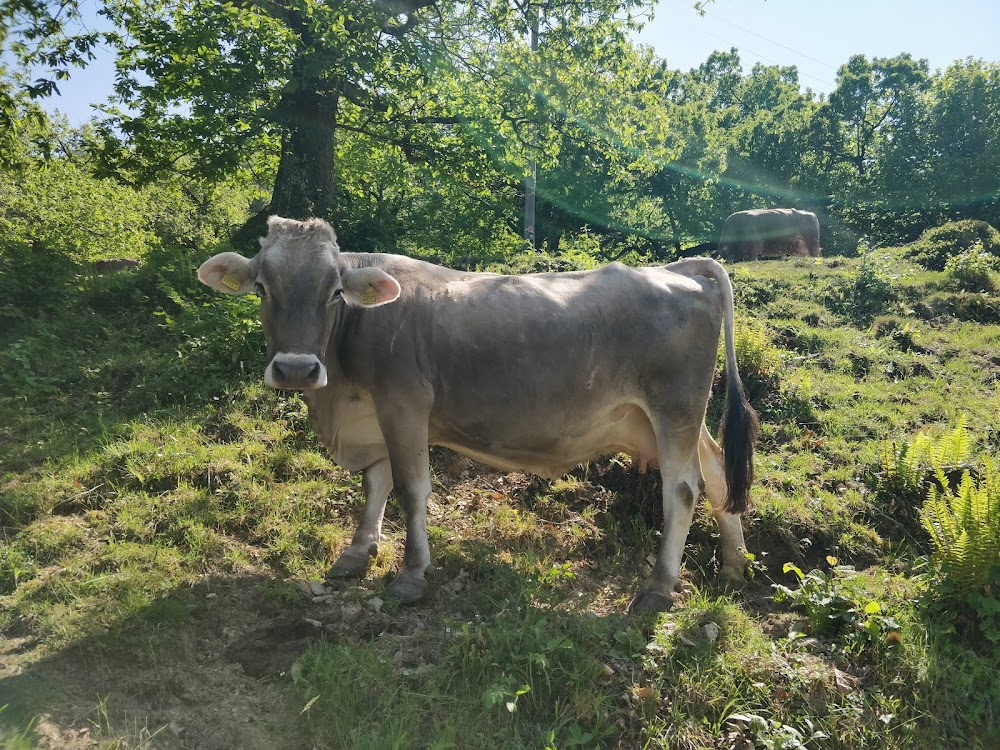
304,185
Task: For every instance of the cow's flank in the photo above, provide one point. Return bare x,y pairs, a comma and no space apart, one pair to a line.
537,372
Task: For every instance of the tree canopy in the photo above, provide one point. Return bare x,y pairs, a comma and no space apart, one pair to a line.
412,124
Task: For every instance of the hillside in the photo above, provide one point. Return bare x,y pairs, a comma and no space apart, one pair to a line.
163,514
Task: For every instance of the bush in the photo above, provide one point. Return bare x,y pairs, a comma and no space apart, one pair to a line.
874,286
937,245
971,269
964,525
62,207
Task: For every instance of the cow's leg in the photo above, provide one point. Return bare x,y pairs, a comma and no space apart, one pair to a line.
376,484
413,487
730,525
404,425
682,486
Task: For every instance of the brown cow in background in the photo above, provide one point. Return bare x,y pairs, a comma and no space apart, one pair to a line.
771,232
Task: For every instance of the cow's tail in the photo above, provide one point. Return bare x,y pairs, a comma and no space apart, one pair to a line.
739,426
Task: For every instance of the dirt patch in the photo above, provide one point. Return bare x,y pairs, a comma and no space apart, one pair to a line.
181,684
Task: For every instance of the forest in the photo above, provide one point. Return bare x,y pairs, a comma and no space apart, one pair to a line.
166,519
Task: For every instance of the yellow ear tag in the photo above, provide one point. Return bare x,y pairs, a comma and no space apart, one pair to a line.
370,297
231,281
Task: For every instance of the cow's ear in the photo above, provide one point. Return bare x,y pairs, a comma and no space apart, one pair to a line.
369,287
228,272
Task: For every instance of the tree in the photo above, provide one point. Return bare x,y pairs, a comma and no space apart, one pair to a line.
215,81
874,102
964,141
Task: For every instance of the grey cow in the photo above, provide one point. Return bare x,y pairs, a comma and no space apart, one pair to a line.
538,372
775,232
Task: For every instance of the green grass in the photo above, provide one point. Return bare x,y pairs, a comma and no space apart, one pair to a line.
158,506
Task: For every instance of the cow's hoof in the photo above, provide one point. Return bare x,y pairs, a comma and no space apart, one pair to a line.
650,601
351,564
407,590
732,580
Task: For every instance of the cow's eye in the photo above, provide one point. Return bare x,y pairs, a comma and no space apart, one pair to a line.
259,289
337,294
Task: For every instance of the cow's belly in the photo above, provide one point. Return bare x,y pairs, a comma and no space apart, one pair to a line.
549,449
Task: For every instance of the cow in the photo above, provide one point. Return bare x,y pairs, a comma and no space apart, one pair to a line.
538,372
771,232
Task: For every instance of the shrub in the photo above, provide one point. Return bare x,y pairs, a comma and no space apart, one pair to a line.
971,269
62,207
874,286
576,253
937,245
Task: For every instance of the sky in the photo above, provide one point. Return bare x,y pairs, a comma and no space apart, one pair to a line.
816,36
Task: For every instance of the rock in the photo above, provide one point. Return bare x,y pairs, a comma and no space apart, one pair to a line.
711,631
324,599
317,588
374,604
350,611
314,623
304,588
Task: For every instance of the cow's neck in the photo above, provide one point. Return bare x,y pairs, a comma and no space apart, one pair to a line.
346,318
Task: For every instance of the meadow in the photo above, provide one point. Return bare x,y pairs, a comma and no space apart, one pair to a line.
163,515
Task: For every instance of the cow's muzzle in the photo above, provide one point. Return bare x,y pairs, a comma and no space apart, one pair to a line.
298,372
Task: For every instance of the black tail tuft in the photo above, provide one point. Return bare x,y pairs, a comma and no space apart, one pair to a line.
739,429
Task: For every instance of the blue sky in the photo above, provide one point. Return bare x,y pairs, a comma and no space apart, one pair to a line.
817,36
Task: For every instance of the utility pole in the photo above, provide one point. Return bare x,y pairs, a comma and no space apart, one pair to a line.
532,178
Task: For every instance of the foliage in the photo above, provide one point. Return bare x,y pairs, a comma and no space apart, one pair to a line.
964,525
833,604
972,269
772,734
910,466
874,287
938,244
60,205
756,355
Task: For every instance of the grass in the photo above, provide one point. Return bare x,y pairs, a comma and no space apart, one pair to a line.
159,508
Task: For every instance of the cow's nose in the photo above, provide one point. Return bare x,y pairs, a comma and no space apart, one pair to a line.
295,372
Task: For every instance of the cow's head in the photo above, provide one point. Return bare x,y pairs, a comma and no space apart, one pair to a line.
303,286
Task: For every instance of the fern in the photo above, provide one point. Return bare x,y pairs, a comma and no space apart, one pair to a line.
964,526
907,465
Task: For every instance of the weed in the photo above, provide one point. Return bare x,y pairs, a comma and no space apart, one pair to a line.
834,606
963,522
